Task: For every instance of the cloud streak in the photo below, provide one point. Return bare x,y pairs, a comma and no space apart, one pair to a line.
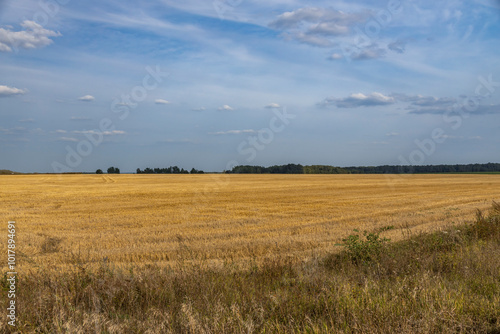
67,139
439,110
232,132
319,21
359,100
106,133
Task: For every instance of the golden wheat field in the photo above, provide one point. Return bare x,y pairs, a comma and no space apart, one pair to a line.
145,219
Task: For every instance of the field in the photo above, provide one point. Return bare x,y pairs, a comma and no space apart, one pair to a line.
213,235
144,219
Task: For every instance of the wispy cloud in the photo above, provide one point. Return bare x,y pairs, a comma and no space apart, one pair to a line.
33,36
273,106
392,134
439,110
232,132
424,101
86,98
161,101
317,26
28,120
15,130
106,133
10,91
372,51
359,100
67,139
226,107
319,21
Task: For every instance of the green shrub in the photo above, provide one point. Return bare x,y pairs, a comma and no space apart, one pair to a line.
364,251
485,228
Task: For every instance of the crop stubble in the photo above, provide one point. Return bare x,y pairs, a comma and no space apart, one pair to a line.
143,219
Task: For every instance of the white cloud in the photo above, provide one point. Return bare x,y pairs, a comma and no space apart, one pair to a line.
392,134
87,98
273,106
232,132
328,28
114,132
10,91
198,109
317,26
106,133
60,131
33,36
161,101
324,20
226,107
360,100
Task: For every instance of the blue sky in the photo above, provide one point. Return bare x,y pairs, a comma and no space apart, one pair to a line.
211,84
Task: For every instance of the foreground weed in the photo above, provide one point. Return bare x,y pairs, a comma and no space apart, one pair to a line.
364,250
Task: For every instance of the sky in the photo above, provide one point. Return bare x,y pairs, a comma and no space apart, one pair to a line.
214,84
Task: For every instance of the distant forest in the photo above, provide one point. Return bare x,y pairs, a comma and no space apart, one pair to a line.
325,169
387,169
169,170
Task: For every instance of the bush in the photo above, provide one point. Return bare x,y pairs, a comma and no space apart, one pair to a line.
487,227
364,251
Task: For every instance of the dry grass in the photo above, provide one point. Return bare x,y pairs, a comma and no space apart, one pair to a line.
161,219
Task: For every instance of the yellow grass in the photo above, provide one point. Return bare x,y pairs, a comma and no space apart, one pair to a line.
144,219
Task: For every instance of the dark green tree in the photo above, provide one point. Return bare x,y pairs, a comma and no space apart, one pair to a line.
113,170
99,171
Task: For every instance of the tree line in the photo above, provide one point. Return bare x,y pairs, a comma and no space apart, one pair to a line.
326,169
111,170
169,170
386,169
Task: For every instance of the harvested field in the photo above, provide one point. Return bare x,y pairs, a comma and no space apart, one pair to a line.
146,219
